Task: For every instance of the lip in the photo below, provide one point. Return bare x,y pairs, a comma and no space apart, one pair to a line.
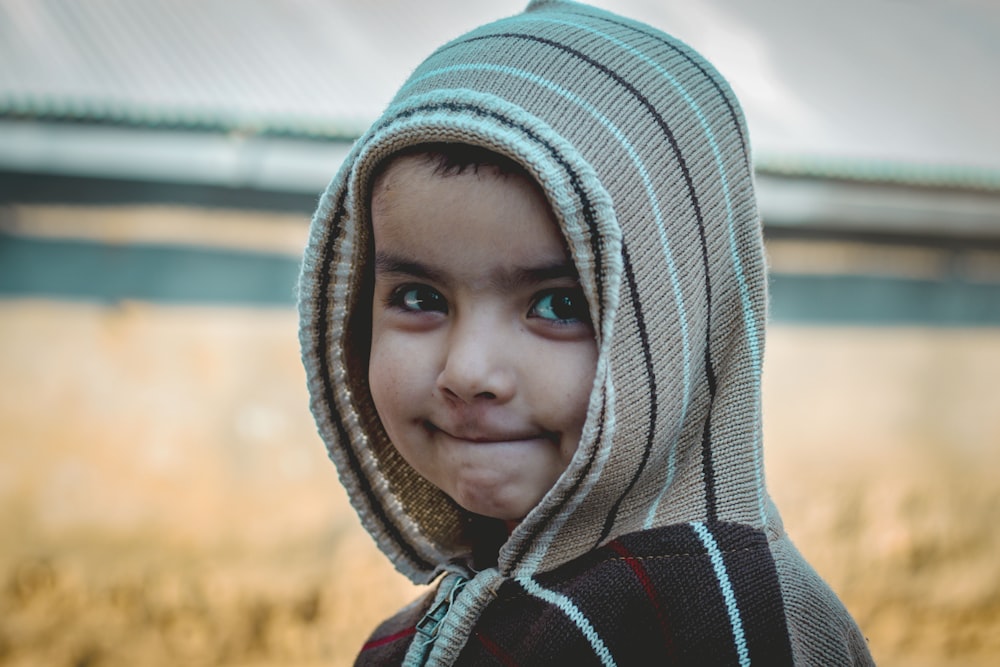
488,437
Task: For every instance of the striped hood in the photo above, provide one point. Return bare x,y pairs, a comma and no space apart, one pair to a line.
642,152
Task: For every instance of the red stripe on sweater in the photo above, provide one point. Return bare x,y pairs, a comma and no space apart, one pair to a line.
382,641
505,658
640,573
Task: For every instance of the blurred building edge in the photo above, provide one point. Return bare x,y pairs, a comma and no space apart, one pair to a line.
194,104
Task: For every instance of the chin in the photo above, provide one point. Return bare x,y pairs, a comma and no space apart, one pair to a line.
494,508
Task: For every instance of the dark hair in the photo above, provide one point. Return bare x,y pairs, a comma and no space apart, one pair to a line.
453,159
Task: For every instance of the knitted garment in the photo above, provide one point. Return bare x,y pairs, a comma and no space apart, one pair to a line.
659,536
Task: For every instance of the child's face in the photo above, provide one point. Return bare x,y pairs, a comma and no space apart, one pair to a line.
482,354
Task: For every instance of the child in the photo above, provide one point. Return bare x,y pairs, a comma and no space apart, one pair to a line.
533,306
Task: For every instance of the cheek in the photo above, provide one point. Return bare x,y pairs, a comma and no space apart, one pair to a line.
396,376
380,383
384,371
566,376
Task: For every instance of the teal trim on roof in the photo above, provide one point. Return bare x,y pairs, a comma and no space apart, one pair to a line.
79,270
882,301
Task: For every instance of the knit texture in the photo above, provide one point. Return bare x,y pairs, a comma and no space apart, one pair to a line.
651,593
642,152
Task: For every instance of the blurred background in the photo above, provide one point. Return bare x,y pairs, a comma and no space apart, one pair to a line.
164,498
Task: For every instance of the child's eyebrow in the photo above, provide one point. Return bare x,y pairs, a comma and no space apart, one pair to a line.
532,275
509,279
392,264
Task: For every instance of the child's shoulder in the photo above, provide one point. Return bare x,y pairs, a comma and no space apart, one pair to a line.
390,641
669,591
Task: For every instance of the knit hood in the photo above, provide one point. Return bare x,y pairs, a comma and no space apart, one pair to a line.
642,152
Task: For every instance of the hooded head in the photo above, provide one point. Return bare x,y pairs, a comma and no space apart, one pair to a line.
638,149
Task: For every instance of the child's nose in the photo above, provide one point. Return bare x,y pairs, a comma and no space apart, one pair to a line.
478,365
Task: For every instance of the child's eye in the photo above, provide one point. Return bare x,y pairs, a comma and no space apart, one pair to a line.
561,305
418,298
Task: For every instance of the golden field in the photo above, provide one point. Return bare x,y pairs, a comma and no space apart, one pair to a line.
164,499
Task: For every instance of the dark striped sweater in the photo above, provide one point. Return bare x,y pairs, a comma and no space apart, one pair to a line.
681,595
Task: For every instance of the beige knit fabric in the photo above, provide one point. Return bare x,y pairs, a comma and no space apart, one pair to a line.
642,151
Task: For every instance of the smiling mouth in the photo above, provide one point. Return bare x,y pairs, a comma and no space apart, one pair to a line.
490,438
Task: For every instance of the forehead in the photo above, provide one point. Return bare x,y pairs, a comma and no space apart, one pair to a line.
466,220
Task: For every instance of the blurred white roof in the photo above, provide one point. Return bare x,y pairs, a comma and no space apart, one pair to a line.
885,88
